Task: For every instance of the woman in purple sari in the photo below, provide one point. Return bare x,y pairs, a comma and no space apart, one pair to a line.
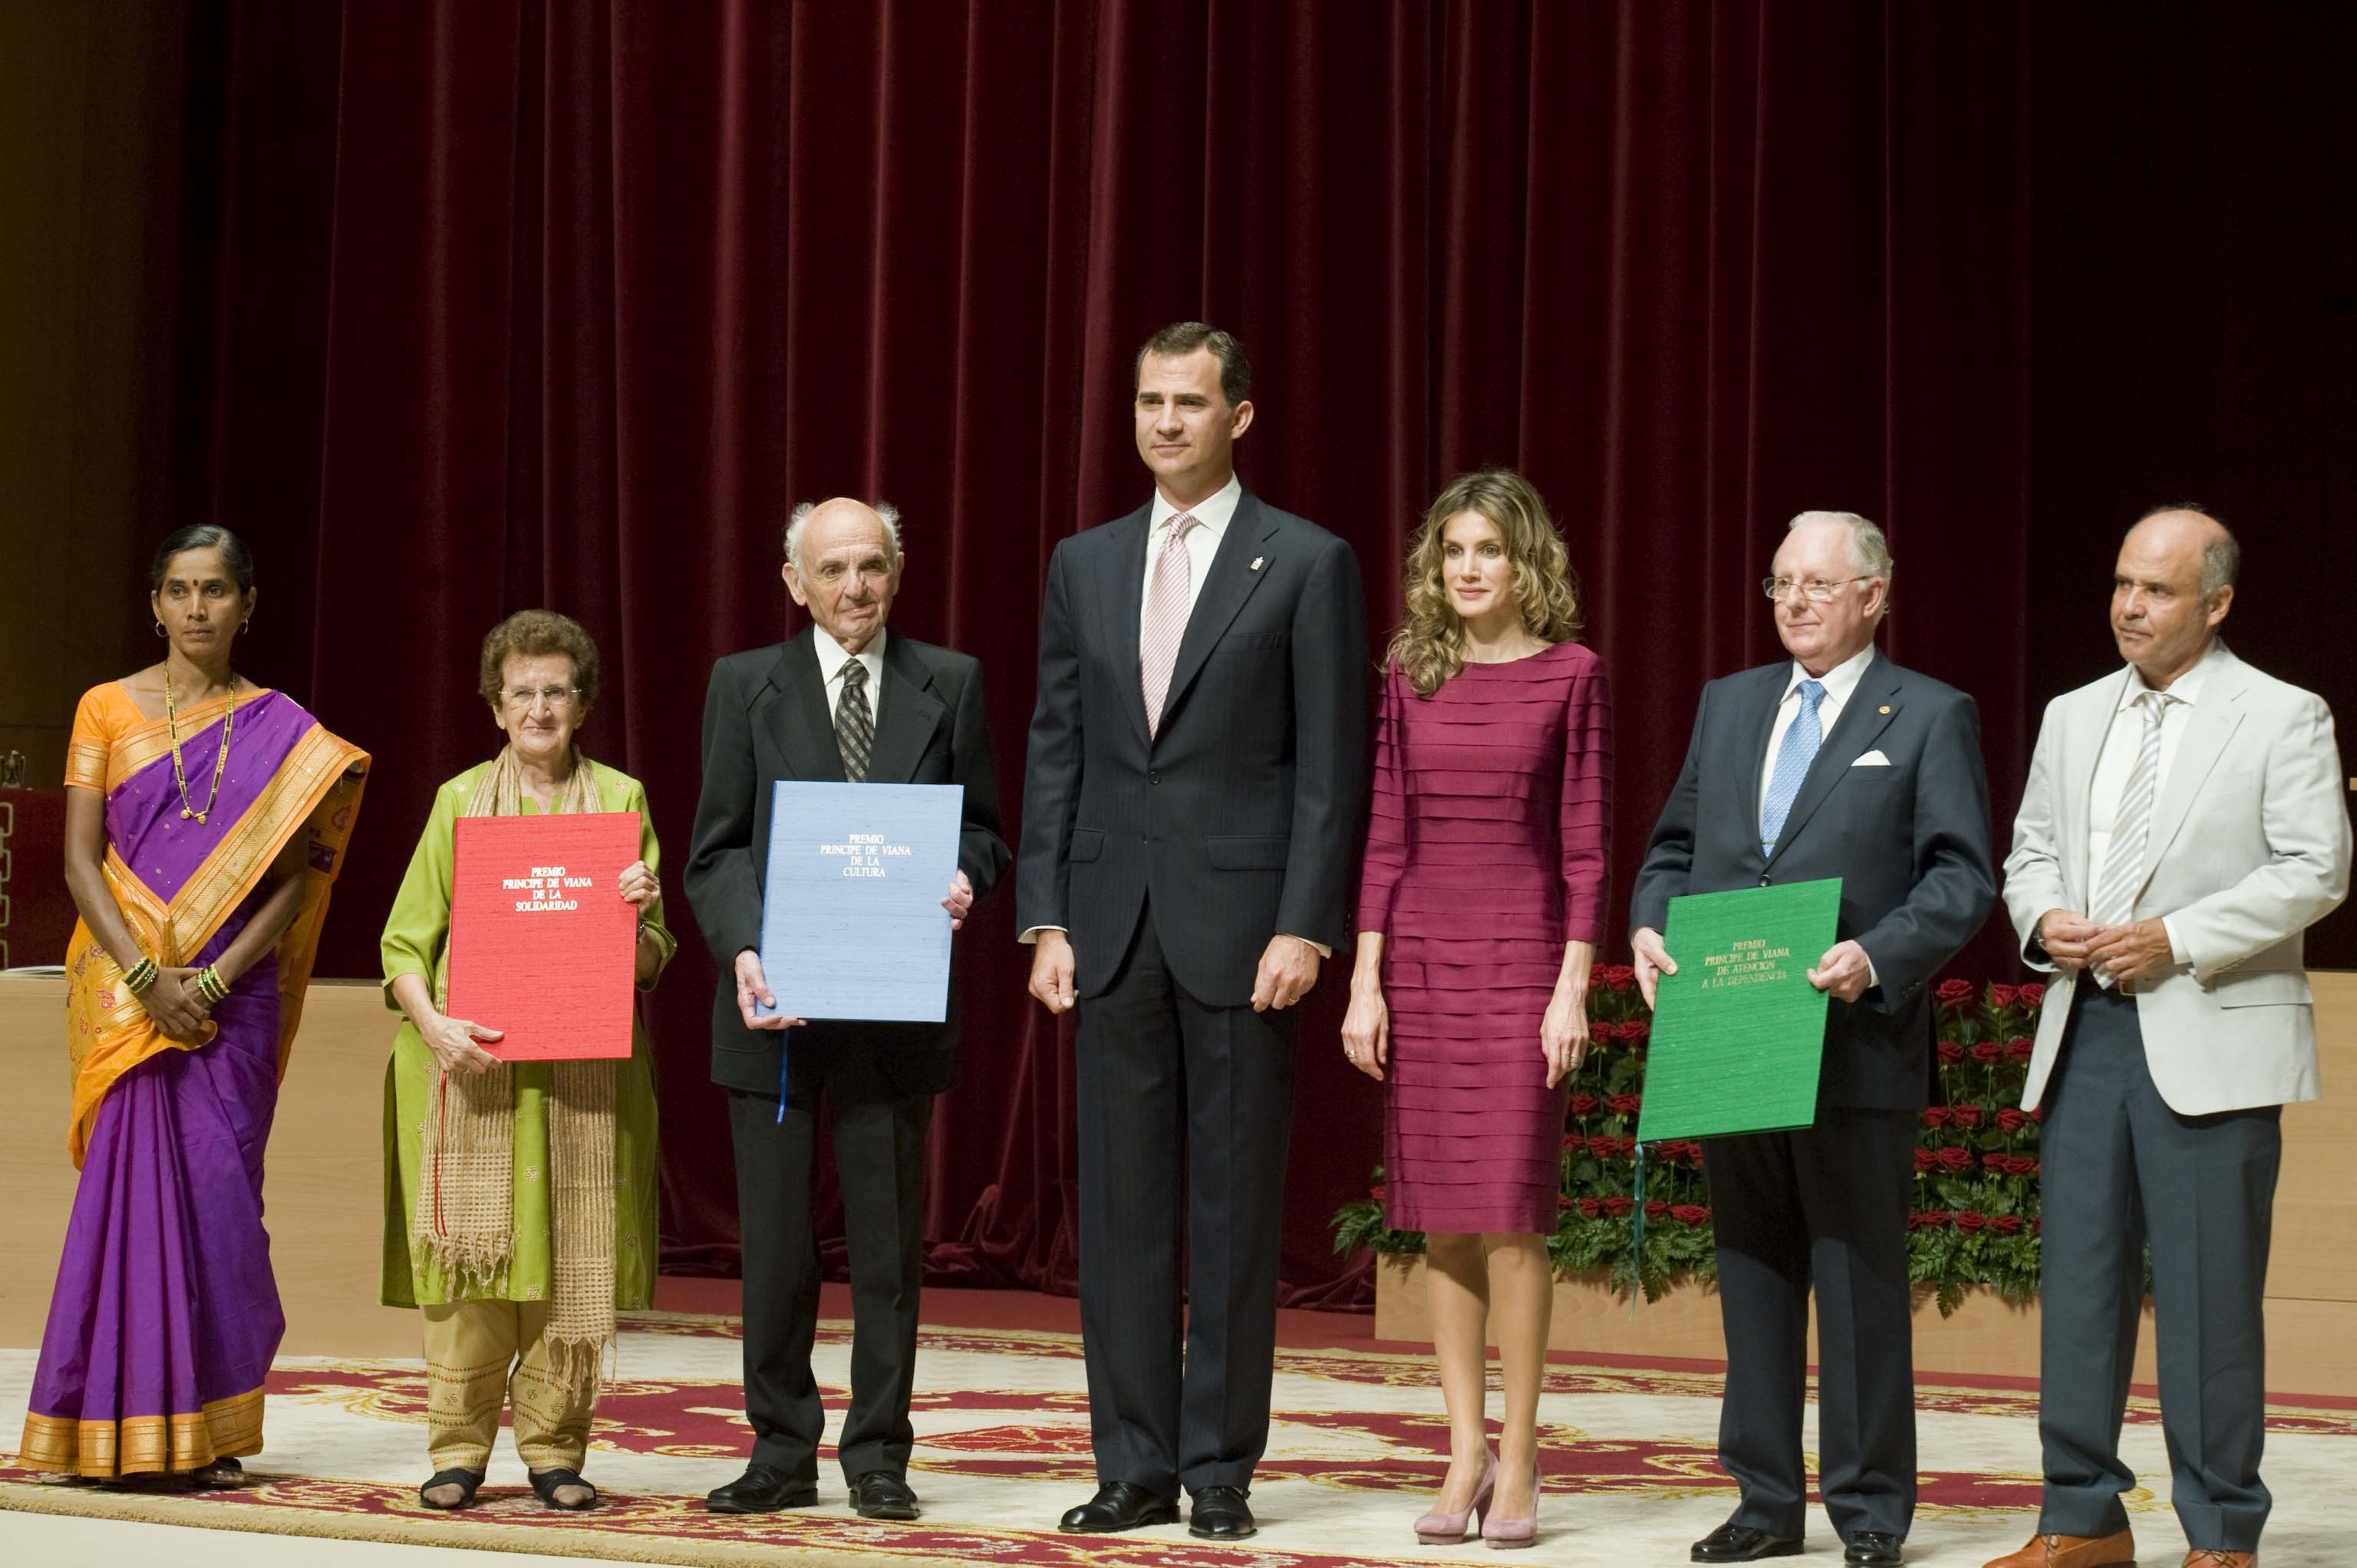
206,820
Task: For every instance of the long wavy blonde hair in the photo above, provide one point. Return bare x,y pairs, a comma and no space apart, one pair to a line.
1429,647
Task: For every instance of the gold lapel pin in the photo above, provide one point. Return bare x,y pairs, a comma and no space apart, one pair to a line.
1257,561
1886,707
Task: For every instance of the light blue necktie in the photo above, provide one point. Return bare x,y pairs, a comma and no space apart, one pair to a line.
1793,759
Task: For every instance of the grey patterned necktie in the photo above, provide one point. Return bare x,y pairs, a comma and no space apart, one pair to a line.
854,722
2114,900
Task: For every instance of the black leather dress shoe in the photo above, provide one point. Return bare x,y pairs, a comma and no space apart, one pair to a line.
762,1488
1733,1542
1120,1506
1875,1549
880,1494
1221,1513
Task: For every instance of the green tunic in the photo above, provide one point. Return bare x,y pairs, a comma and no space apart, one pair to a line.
417,941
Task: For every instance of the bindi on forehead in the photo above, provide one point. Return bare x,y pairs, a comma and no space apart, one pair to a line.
197,569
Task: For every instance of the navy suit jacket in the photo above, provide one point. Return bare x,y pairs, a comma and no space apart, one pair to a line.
1910,842
1239,818
765,718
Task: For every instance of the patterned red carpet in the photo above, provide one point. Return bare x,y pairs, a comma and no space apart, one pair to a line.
1001,1418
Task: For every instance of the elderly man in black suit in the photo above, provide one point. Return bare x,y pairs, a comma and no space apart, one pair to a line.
1834,763
843,700
1190,823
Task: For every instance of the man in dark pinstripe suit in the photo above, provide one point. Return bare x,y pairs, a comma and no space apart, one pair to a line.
1192,810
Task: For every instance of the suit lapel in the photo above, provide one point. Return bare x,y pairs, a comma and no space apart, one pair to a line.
796,713
2215,718
1873,703
1122,598
908,712
1237,568
1768,697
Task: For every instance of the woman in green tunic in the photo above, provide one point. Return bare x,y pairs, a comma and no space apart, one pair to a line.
534,1218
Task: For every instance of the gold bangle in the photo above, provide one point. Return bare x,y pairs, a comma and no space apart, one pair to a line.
211,985
140,976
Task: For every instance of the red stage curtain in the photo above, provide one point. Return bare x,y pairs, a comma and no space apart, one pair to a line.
482,306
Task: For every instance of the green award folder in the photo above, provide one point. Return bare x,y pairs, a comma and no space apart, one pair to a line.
1739,1032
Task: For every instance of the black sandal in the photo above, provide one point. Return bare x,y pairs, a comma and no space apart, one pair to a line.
545,1483
222,1475
466,1481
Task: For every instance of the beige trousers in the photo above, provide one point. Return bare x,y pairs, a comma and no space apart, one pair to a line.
481,1356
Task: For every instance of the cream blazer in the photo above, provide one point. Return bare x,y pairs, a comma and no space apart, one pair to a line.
2250,847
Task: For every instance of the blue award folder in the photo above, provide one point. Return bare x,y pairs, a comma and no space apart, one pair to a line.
852,926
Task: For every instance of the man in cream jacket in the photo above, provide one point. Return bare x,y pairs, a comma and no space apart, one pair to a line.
2181,828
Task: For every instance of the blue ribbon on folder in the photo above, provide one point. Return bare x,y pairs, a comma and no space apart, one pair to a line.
1637,1236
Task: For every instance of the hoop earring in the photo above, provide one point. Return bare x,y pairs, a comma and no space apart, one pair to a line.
159,628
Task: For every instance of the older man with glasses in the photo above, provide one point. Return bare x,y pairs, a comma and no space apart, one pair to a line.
1836,763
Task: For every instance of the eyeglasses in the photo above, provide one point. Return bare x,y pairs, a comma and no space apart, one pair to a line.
1815,590
523,698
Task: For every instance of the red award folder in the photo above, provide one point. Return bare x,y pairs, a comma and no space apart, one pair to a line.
542,946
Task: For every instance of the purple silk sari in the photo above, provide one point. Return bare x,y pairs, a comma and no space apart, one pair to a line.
165,1315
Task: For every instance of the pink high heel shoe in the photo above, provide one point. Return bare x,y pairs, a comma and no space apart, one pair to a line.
1498,1531
1452,1529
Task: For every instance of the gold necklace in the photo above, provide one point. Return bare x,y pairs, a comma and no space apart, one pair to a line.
220,763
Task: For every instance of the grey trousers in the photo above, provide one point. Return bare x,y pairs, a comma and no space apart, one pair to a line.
2120,1169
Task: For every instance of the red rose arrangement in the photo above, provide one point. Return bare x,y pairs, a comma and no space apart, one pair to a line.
1974,1220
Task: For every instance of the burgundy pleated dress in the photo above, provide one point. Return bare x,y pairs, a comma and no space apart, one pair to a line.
1487,851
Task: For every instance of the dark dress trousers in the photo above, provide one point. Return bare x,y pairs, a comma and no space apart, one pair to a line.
765,718
1826,1206
1171,860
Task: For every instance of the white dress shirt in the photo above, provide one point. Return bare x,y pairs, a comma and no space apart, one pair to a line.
2117,759
832,657
1213,512
1838,682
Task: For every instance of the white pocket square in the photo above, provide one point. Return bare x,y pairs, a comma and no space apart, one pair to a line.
1872,759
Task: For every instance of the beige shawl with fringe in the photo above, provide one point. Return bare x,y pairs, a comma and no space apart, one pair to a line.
466,1191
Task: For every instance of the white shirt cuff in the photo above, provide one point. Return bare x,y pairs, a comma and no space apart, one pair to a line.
2176,947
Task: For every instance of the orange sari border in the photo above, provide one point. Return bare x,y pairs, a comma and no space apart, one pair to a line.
319,786
152,738
234,869
144,1445
86,766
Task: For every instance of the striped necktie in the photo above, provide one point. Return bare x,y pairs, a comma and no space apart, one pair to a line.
2123,878
1793,759
854,722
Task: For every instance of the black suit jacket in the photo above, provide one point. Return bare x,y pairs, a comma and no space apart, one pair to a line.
765,718
1911,843
1240,817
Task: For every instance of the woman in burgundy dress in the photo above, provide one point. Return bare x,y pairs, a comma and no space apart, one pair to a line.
1479,910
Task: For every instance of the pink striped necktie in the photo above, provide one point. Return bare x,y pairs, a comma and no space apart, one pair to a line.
1166,618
